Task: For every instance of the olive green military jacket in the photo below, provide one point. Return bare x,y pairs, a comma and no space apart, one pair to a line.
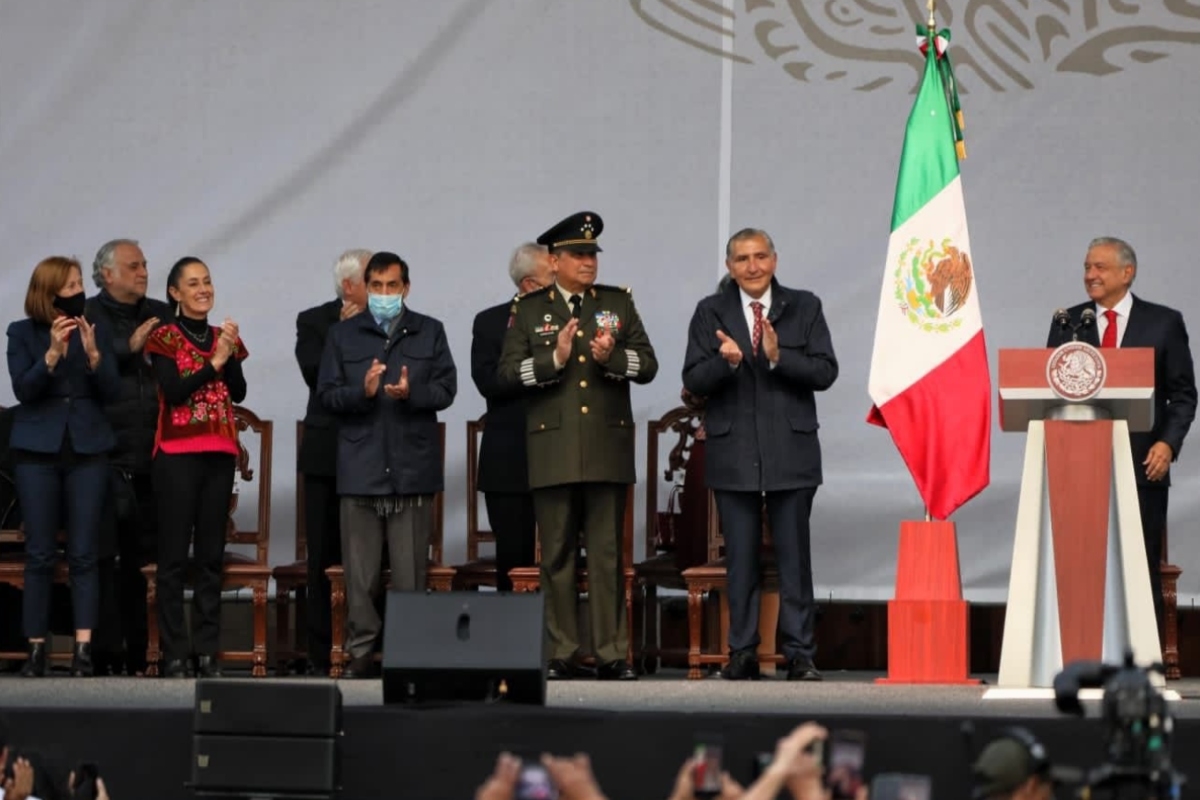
579,420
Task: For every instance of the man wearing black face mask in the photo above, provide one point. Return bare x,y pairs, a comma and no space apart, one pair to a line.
129,529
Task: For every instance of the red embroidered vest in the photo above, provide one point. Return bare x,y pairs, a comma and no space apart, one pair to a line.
204,423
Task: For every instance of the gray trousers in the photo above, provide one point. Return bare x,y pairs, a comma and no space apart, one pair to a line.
407,532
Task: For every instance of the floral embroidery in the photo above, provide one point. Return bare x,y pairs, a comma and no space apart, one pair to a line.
208,409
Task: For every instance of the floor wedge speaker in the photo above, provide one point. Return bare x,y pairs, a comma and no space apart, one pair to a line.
464,647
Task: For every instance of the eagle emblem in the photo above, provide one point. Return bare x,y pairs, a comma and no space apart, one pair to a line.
933,282
1076,371
1000,45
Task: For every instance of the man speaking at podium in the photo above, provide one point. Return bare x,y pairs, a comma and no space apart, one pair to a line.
1123,320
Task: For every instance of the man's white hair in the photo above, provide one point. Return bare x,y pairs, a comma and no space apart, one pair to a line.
350,266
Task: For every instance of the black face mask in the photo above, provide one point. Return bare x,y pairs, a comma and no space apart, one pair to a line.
71,306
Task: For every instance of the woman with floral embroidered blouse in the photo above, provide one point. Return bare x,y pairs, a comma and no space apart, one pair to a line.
199,372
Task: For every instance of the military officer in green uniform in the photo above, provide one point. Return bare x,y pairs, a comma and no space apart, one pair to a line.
576,345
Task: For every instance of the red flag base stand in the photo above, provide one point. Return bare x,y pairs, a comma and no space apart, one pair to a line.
928,627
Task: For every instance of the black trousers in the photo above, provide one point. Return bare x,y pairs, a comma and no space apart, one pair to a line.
1152,502
192,492
324,540
511,517
741,521
132,518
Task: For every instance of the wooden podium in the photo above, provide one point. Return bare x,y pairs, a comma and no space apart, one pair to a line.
1079,586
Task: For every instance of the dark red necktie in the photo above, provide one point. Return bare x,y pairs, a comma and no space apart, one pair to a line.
1110,332
756,336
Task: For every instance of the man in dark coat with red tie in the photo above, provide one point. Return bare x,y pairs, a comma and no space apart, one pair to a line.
1123,320
758,351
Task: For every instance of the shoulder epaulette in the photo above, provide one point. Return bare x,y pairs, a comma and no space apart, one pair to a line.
603,287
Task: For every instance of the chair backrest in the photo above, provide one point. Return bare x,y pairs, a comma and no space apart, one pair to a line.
475,535
301,517
680,424
260,536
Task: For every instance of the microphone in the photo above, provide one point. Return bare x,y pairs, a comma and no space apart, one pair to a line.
1088,318
1062,319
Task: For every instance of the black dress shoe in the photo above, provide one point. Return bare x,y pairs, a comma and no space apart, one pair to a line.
207,667
359,668
742,666
175,668
616,671
802,669
35,664
81,661
559,669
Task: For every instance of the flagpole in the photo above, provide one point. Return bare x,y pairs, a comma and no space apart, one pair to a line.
932,22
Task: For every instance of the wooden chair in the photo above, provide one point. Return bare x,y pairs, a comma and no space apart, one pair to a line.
438,578
1170,579
528,579
676,538
239,571
477,571
292,578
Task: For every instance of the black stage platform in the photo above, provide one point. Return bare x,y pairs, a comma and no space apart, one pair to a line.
139,731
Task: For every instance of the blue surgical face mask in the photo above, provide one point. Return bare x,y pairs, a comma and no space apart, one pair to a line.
385,306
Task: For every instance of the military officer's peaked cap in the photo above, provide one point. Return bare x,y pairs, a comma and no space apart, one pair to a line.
577,233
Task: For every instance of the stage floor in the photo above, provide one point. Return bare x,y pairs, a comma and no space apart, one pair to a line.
839,693
139,730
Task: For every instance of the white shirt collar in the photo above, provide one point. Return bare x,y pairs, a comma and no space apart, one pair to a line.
747,300
1122,308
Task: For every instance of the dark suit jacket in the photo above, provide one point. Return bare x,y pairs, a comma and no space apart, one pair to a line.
580,420
761,423
318,451
1152,325
502,463
71,398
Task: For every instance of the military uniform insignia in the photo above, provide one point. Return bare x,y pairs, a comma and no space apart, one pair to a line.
548,329
608,322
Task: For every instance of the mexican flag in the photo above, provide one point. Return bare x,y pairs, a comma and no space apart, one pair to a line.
929,381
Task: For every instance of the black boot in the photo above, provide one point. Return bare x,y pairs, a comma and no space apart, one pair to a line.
81,664
35,665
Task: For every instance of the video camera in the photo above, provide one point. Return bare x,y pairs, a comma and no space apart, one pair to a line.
1138,728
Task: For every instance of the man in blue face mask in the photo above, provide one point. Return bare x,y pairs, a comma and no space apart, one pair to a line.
385,374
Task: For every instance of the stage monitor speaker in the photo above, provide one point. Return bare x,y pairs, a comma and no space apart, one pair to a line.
260,739
464,646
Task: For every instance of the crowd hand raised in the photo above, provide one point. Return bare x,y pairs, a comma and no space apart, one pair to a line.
573,777
684,790
349,310
20,785
602,347
399,389
374,374
729,349
800,766
101,791
562,350
137,339
502,783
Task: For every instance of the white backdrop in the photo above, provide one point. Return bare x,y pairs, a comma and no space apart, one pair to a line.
267,137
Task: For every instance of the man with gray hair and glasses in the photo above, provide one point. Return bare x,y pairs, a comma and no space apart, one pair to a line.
316,458
129,532
1124,320
503,476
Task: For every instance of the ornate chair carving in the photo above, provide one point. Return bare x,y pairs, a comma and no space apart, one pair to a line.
477,571
239,571
438,578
